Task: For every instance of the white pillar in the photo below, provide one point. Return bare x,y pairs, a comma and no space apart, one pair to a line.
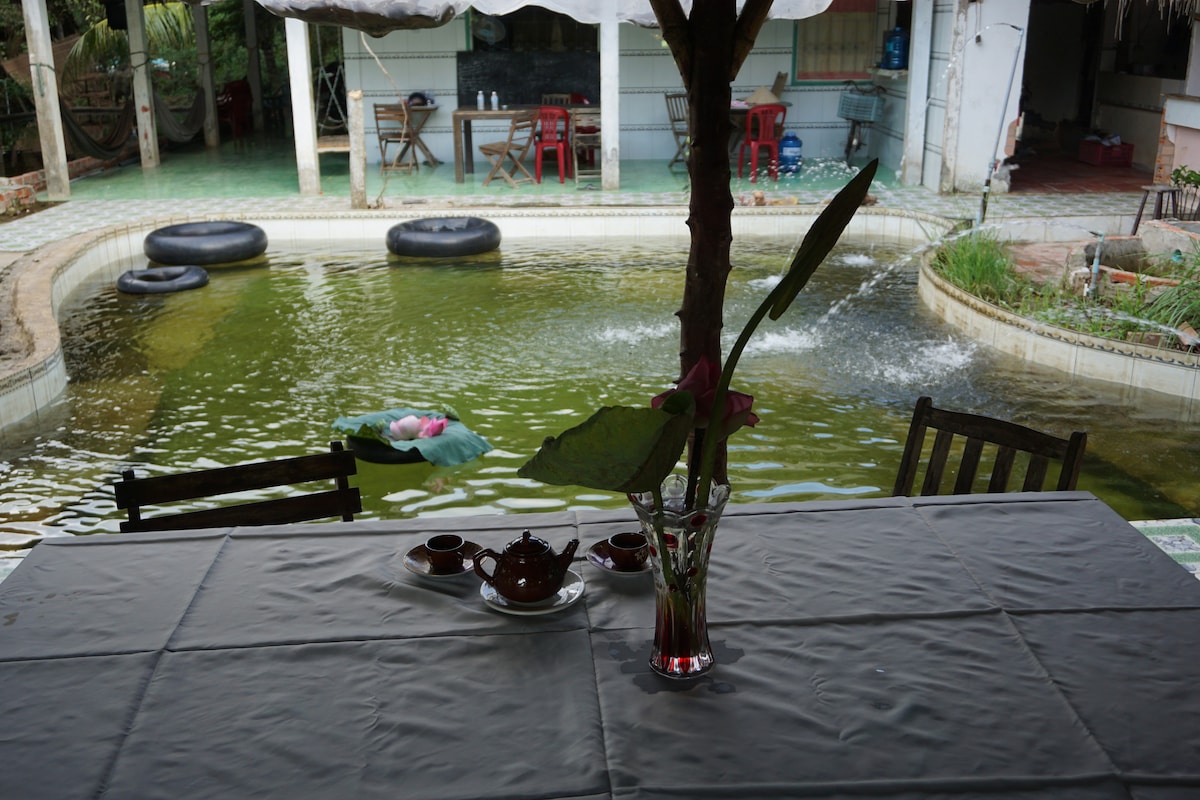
139,58
45,99
204,66
253,70
610,102
358,149
916,113
304,117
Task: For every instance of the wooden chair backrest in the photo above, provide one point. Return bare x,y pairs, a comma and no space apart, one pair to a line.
1008,439
342,501
677,111
391,120
556,99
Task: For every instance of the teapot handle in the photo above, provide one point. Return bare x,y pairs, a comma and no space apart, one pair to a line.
477,561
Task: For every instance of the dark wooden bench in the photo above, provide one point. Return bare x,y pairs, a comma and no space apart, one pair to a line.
342,501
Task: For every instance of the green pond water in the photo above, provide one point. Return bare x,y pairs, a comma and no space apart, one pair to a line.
524,343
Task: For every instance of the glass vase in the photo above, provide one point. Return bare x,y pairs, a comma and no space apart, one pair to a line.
680,544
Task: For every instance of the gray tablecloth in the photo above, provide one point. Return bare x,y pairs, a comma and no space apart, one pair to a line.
1014,647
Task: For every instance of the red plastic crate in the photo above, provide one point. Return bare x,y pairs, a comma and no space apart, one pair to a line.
1117,155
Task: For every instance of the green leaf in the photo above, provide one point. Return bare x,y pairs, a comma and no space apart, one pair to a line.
821,238
618,449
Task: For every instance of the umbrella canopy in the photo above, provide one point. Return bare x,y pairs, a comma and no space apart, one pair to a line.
377,17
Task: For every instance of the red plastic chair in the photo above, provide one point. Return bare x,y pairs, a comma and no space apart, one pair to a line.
554,134
234,107
763,124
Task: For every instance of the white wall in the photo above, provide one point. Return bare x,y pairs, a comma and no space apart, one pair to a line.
983,52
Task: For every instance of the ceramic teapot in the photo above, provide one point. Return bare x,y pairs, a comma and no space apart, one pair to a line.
528,571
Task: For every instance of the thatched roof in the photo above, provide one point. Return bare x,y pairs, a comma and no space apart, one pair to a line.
17,67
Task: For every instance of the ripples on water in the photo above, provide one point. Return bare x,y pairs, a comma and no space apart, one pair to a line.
525,343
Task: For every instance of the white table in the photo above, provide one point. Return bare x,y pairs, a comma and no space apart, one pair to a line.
1035,646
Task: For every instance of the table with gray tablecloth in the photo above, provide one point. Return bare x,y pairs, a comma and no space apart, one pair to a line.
1013,647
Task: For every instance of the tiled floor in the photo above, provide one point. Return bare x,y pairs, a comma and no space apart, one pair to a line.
262,175
1057,172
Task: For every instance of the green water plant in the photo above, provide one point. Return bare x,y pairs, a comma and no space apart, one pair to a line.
633,450
980,264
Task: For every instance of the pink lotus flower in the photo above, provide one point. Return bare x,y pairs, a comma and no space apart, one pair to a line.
405,428
701,381
411,427
431,427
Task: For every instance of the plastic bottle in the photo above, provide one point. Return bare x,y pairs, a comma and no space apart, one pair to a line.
789,153
895,49
495,102
479,100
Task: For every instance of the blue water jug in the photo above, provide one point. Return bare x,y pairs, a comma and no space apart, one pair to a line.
789,153
895,49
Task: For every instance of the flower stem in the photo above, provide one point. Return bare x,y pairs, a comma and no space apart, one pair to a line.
708,454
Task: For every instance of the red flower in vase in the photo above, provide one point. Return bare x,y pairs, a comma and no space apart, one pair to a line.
701,381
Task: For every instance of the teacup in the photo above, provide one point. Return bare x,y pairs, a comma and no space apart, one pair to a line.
445,552
628,551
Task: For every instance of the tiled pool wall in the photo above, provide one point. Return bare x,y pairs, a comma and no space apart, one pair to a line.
43,280
1137,366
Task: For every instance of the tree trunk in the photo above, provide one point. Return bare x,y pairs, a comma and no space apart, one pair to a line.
709,48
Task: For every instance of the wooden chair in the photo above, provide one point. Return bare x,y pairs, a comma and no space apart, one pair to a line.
394,129
763,126
677,113
512,150
338,464
556,99
1008,438
586,140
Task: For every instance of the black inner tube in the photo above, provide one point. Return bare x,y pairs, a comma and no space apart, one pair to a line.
218,242
443,237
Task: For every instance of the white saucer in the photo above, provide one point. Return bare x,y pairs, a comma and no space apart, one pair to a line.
571,590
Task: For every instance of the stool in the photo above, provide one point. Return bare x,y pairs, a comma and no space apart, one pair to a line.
1159,192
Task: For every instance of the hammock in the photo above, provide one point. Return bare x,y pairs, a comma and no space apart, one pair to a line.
108,148
118,138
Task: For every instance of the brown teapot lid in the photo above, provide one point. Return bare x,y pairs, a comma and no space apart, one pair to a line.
528,545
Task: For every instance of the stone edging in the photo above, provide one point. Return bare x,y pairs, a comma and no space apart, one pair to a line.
1078,354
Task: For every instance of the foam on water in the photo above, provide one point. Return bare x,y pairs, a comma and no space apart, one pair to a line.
636,333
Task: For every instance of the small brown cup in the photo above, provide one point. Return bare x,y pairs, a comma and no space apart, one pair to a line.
445,552
628,551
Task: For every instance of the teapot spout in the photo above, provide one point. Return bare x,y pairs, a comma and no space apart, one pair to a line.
568,553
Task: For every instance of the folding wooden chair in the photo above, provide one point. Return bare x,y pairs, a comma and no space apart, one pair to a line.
394,129
1008,438
586,141
514,149
342,501
677,113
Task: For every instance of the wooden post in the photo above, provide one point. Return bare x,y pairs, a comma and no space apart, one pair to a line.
139,59
253,70
45,98
212,135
